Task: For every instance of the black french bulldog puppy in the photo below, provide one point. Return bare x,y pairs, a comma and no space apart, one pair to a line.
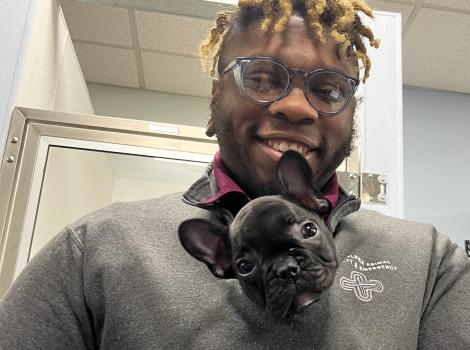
278,247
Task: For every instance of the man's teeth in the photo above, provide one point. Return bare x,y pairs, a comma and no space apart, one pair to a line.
283,146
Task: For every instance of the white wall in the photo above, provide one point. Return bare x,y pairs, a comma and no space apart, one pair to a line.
381,150
38,65
437,160
14,30
148,105
51,77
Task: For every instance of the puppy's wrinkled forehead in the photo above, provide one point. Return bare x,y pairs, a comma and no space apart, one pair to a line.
265,221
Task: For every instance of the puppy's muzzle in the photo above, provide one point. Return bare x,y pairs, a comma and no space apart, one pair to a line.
287,268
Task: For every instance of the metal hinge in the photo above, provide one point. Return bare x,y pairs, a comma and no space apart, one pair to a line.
371,188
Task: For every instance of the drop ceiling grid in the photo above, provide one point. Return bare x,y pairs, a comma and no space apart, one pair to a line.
439,59
159,34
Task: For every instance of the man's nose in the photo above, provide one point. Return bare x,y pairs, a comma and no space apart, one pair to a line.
294,108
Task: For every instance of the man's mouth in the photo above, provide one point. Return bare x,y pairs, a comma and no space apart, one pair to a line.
282,146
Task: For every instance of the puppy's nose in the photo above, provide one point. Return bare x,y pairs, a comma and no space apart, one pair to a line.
288,268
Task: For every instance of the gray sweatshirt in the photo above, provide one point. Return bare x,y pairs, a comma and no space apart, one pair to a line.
119,279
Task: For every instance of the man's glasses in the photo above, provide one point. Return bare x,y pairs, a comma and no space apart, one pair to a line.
265,80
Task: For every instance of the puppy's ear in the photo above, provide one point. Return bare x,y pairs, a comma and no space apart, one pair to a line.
209,243
296,178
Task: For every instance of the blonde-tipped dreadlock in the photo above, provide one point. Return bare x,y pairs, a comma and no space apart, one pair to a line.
314,10
336,19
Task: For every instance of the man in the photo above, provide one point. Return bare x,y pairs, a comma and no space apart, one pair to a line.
119,278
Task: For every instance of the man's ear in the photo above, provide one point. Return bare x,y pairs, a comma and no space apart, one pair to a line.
209,243
215,87
296,178
210,129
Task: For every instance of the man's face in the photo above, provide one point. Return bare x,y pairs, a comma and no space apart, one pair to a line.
249,133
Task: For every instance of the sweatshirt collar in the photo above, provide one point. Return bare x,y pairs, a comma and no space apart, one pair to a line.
206,193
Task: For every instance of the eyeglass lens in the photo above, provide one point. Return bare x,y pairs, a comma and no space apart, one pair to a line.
265,81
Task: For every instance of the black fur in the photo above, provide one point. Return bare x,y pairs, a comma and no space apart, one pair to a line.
278,247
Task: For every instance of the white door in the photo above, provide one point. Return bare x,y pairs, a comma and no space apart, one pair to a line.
381,150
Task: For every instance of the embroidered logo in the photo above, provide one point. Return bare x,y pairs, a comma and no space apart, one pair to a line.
361,286
361,265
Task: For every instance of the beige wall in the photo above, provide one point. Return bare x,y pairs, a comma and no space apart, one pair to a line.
146,177
51,77
149,105
132,188
76,182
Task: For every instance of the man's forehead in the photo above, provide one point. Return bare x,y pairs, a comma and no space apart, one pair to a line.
297,41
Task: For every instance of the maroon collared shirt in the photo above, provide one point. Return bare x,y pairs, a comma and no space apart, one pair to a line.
233,197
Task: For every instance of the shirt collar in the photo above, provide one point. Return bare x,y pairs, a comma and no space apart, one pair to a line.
224,182
331,191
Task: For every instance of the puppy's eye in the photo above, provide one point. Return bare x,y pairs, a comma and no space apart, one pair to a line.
309,230
244,266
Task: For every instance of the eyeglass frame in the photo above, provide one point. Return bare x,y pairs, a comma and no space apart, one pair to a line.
236,66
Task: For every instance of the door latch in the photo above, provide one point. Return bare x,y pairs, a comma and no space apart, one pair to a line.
371,188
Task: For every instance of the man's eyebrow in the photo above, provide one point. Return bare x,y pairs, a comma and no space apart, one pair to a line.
322,65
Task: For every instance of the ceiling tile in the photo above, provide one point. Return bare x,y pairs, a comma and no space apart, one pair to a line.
164,33
434,52
161,75
381,5
454,4
107,65
95,23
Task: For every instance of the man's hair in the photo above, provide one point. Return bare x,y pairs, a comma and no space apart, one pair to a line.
335,19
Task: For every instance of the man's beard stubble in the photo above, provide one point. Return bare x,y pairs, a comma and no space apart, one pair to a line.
221,125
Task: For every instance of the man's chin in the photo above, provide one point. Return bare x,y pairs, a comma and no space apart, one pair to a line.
262,186
257,188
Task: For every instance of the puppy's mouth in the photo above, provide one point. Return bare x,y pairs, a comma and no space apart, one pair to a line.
291,301
305,299
300,301
290,294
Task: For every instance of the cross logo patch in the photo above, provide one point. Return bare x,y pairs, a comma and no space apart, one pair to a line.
361,286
